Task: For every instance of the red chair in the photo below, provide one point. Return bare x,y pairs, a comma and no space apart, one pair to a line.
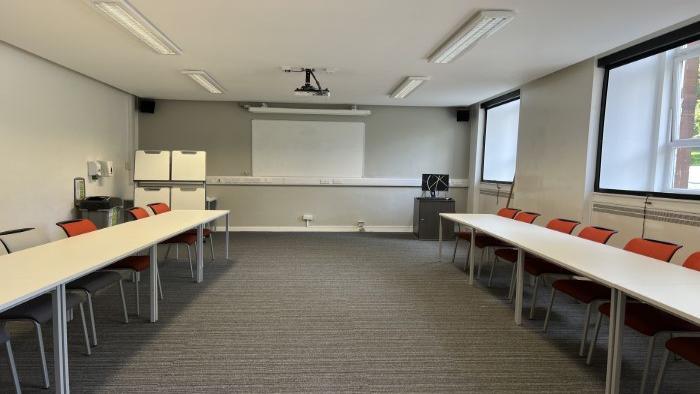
687,348
160,207
186,239
644,318
481,240
584,291
94,282
508,253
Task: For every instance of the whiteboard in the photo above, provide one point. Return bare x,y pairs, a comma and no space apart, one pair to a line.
304,148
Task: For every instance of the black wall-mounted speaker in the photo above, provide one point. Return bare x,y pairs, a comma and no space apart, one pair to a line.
462,115
146,106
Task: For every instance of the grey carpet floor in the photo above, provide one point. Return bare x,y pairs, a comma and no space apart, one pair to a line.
334,313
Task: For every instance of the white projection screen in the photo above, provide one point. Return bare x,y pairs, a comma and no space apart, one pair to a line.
308,149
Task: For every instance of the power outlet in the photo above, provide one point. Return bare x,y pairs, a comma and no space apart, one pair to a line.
361,225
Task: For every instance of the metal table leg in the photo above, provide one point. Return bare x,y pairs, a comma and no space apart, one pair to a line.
440,240
618,301
60,340
519,287
200,253
471,256
154,283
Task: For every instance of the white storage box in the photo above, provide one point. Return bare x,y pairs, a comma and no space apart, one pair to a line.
189,165
187,197
152,165
149,195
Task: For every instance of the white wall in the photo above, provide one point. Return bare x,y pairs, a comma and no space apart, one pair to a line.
52,121
400,142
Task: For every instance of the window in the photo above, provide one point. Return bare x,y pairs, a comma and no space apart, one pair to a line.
500,138
649,142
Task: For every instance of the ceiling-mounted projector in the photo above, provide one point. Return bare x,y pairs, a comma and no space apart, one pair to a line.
307,89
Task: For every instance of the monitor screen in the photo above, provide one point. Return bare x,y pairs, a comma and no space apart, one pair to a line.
435,182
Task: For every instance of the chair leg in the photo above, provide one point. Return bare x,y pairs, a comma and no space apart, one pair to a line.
596,331
189,256
211,247
160,285
549,310
481,261
85,330
454,252
40,339
167,252
137,282
586,324
511,288
647,363
662,369
493,266
533,303
92,319
13,367
121,291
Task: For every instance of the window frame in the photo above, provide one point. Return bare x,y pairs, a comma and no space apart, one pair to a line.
654,46
486,106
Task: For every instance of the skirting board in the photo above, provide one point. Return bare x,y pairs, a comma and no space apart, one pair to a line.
318,229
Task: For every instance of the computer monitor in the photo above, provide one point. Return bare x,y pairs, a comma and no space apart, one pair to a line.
435,183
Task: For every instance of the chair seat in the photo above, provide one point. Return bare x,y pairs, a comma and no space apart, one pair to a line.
585,291
206,232
4,336
94,281
134,263
184,238
688,348
536,267
40,309
649,320
486,241
510,255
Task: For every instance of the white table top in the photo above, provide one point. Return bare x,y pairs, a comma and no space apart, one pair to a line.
667,286
34,271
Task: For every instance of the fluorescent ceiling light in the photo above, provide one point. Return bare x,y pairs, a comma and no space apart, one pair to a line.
480,26
308,111
407,86
205,80
131,19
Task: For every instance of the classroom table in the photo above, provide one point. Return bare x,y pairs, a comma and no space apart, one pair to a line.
666,286
47,268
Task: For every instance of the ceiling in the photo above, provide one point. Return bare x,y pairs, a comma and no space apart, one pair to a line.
372,43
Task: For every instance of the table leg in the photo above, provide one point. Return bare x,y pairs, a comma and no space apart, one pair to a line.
519,287
154,283
227,236
440,240
471,256
200,253
615,337
60,340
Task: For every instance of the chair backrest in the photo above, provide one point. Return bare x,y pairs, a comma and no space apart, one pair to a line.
137,213
660,250
159,207
23,238
77,227
527,217
565,226
597,234
507,212
693,261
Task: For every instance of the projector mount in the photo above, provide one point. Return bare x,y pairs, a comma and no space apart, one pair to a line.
307,89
